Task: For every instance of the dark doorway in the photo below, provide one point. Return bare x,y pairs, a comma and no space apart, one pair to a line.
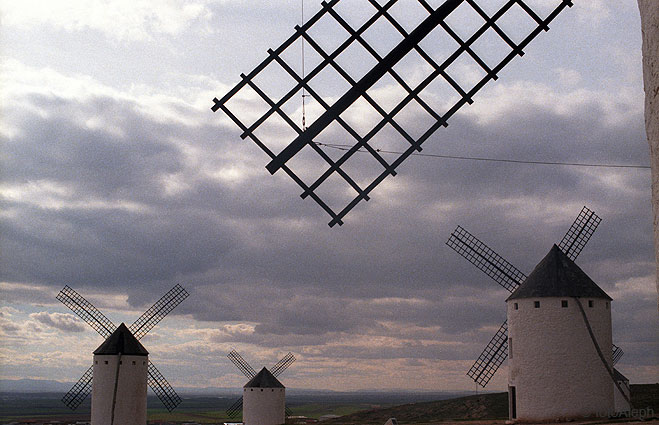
512,402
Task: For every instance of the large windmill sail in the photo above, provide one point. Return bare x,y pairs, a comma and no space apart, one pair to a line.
101,324
391,42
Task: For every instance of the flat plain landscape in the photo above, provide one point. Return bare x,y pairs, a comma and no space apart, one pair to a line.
352,408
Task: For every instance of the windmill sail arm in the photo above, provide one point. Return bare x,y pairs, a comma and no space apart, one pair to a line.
80,390
579,233
162,388
235,408
491,358
617,354
282,364
158,311
86,311
241,364
485,259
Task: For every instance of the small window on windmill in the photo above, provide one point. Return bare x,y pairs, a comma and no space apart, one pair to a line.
96,362
134,362
607,305
590,303
536,304
106,362
516,306
564,303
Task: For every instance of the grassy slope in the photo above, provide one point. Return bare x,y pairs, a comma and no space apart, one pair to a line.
482,406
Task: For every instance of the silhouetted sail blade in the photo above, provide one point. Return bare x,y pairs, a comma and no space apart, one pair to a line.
491,358
282,364
485,259
158,311
241,364
288,411
235,409
579,233
617,354
255,107
79,392
86,311
161,387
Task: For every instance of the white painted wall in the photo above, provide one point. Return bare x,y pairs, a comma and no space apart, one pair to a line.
130,406
650,31
264,406
553,364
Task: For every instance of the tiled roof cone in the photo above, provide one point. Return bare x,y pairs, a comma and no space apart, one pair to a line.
264,379
558,276
122,341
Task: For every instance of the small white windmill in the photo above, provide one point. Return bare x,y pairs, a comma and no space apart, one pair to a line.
263,400
121,370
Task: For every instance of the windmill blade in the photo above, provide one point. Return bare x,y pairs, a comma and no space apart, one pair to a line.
282,364
435,24
288,411
491,358
235,408
485,259
161,387
617,354
158,311
241,364
86,311
579,233
79,392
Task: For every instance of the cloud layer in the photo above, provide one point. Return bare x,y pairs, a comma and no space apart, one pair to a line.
121,191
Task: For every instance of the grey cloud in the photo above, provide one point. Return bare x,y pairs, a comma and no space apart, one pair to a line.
251,250
63,322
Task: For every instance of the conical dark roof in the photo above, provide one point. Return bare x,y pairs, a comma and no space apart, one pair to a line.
558,276
264,379
122,341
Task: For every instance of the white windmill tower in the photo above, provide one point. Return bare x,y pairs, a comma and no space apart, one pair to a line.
119,384
561,354
121,370
264,398
559,321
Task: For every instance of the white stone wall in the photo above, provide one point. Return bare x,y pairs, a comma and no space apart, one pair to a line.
130,405
264,406
650,31
553,363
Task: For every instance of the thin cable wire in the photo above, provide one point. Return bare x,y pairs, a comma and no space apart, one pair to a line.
472,158
304,113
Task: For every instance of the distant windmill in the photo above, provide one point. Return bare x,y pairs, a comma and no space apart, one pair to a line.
555,372
118,338
263,400
416,50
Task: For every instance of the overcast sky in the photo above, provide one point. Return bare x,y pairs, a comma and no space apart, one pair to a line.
119,181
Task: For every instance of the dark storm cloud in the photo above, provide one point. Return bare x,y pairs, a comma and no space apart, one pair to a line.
249,249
